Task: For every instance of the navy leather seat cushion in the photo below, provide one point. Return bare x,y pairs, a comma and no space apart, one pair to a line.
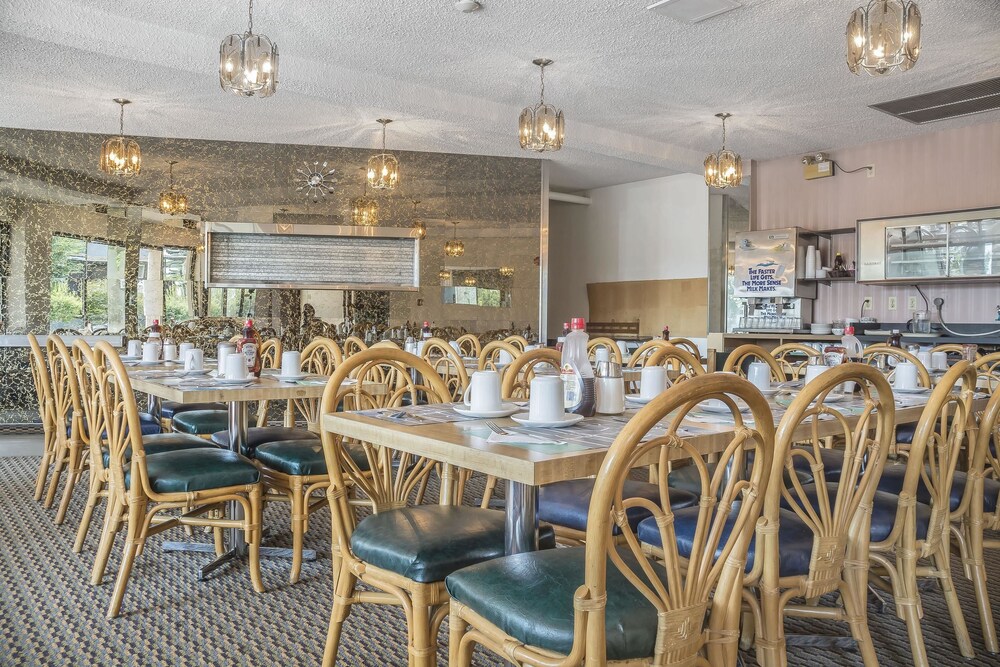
795,538
169,408
147,425
258,435
567,503
530,597
198,469
892,482
163,442
426,543
687,477
883,511
904,433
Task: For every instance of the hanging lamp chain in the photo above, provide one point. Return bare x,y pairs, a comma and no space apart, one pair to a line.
121,119
250,13
542,77
723,133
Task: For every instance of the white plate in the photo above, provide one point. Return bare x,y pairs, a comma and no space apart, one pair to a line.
203,371
246,380
506,410
720,409
126,357
290,378
770,392
911,390
151,363
637,398
568,420
830,398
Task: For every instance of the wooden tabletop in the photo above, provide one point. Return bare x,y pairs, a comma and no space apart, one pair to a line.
266,387
464,444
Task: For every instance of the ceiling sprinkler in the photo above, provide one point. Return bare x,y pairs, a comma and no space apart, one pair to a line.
468,6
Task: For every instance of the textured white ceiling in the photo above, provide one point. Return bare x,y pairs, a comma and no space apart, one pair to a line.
639,90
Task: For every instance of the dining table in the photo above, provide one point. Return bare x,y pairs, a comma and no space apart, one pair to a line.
556,455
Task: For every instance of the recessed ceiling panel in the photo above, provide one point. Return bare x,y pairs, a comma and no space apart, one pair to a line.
693,11
943,104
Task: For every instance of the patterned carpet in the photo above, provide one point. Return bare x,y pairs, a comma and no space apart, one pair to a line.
50,615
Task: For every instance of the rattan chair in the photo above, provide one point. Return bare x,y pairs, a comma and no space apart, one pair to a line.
686,344
920,529
516,377
448,364
739,359
955,349
886,356
270,357
166,482
401,553
518,341
489,358
353,345
46,412
469,345
813,538
71,445
608,602
679,362
793,358
643,352
988,372
605,342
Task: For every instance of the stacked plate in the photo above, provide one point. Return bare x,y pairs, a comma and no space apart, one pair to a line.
821,329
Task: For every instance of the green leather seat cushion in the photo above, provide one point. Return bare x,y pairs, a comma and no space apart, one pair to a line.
303,457
426,543
530,597
164,442
200,422
198,469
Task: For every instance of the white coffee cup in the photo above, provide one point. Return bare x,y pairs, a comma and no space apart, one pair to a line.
759,375
169,351
547,399
813,371
504,358
602,354
410,346
906,376
182,350
483,394
151,351
939,361
236,367
194,359
652,381
455,346
420,348
220,363
223,349
924,357
291,362
623,348
134,348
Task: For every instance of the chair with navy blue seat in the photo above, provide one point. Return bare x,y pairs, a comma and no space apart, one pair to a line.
813,538
918,544
739,361
193,481
885,357
609,600
400,552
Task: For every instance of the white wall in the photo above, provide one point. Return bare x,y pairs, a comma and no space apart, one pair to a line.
649,230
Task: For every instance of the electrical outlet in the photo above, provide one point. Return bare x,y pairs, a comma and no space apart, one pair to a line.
871,171
911,304
868,304
891,303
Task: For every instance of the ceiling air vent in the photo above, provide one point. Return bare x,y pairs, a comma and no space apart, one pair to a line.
693,11
944,104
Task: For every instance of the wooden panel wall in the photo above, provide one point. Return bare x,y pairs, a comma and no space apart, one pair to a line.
682,304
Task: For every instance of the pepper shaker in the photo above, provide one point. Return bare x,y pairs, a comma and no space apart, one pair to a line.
609,387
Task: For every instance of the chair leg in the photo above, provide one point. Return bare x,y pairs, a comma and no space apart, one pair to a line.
853,592
59,456
75,473
491,485
771,642
253,536
299,508
93,497
43,467
908,606
943,564
133,541
342,596
423,647
459,652
977,573
220,542
112,524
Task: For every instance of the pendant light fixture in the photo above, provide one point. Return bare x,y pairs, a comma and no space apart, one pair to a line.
725,168
383,169
248,63
883,37
120,156
418,225
506,271
453,247
171,201
364,209
444,274
469,281
541,127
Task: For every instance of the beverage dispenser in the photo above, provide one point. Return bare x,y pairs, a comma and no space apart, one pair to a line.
769,283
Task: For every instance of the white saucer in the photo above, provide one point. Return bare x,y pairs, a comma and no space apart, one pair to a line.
911,390
832,397
151,363
245,380
506,410
720,409
200,371
637,398
132,357
290,378
568,420
770,392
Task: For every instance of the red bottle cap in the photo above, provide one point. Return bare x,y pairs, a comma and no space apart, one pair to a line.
156,322
577,324
427,324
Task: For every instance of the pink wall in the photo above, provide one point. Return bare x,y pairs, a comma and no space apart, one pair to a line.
938,171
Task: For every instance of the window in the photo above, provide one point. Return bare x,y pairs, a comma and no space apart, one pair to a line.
230,302
166,285
87,285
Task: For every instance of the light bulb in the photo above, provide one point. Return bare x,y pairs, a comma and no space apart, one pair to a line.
859,40
229,65
267,67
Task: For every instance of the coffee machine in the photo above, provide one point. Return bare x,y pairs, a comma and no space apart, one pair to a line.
768,281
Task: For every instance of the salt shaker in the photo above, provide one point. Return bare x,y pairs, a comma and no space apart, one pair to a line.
609,387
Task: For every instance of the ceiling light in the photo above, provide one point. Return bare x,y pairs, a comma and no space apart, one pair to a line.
418,225
444,274
364,209
383,169
453,247
469,281
171,201
506,271
467,6
541,126
120,156
317,180
883,37
725,168
248,63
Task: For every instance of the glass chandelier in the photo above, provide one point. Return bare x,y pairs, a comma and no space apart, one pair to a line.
541,126
248,63
470,281
883,37
364,209
453,247
419,226
444,274
120,156
383,169
506,271
725,168
171,201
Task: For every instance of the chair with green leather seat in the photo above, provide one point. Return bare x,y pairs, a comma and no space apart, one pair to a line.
46,412
608,600
401,552
70,437
143,486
